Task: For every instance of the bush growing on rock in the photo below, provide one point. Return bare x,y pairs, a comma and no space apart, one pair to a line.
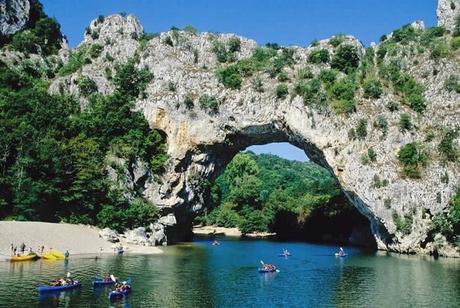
413,157
405,123
87,86
361,129
382,124
130,80
188,102
403,223
372,88
452,83
95,50
447,147
209,102
234,44
336,40
319,56
281,91
220,51
76,61
230,77
345,59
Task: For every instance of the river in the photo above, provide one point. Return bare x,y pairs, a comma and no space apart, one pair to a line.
201,275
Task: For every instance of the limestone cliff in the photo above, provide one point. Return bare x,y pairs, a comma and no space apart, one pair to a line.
203,137
13,15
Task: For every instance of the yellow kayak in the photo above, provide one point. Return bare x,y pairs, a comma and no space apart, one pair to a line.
31,256
48,256
57,254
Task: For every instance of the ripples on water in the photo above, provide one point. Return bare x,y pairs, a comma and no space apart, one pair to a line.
202,275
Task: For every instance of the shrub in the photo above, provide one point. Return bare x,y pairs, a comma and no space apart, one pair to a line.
304,73
372,88
95,50
283,76
343,89
230,77
281,91
87,86
403,224
447,146
130,80
455,44
361,129
220,51
405,123
319,56
405,34
392,106
190,29
234,44
457,26
171,86
343,106
257,84
452,83
328,76
209,102
439,50
372,155
188,102
413,157
430,35
76,61
345,59
336,40
382,124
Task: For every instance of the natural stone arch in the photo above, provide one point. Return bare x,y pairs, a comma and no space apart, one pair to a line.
201,142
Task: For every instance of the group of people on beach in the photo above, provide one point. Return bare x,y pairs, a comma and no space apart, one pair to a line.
22,250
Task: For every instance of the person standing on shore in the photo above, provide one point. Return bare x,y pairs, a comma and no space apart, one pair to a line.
12,249
22,247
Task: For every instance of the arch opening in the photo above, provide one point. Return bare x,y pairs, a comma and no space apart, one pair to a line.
288,199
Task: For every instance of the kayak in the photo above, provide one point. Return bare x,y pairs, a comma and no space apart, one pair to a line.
48,256
117,294
263,271
120,252
284,255
30,256
100,283
339,255
57,254
76,284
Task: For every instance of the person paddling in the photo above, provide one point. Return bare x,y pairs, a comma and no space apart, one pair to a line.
341,252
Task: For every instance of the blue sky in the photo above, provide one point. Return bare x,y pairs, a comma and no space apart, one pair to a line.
286,22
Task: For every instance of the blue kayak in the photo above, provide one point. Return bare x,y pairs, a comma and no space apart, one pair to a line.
103,282
341,255
117,294
76,284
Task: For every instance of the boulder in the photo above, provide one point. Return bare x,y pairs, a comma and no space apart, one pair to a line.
137,236
168,220
158,234
109,235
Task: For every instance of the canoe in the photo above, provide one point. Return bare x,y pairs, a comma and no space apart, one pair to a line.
341,256
30,256
76,284
116,294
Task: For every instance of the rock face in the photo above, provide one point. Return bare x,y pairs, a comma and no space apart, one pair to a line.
447,12
109,235
14,15
201,142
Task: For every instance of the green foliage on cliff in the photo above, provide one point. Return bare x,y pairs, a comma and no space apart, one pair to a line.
448,223
256,189
413,157
41,34
54,155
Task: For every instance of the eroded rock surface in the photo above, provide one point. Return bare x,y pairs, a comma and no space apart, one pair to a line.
14,14
201,142
447,12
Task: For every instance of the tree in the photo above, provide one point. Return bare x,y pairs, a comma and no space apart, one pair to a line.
345,59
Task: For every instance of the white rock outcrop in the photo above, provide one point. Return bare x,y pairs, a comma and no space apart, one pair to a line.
109,235
14,14
448,11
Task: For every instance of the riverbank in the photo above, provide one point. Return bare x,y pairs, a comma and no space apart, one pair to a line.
77,239
231,232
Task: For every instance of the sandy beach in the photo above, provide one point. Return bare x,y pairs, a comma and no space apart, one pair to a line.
77,239
232,232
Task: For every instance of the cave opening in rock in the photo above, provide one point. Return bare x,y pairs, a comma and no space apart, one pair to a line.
274,188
